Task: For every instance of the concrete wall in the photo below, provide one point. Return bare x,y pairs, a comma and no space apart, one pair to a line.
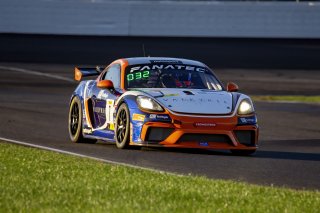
161,18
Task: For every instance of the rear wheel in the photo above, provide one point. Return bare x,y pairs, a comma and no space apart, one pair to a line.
242,152
122,127
75,123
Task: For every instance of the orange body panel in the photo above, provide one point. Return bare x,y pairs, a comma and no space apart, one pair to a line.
185,124
77,74
86,108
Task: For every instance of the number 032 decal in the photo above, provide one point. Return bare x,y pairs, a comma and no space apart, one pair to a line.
138,75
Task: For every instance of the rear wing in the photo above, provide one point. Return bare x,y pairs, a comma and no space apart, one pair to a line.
79,73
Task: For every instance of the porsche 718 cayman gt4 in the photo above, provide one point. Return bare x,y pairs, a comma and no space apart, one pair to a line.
162,102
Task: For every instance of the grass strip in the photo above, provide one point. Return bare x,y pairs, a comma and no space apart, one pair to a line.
33,180
288,98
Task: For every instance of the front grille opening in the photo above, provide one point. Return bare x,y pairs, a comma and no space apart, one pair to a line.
157,134
245,137
193,137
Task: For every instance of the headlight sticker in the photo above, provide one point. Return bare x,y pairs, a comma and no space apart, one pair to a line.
138,117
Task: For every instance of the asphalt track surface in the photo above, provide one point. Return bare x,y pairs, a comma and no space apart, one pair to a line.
34,108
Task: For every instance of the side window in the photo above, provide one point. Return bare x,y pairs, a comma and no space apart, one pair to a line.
113,74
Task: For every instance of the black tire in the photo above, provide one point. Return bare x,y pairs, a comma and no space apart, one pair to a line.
242,152
75,122
122,127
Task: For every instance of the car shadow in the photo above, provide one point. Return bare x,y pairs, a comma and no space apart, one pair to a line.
284,155
261,153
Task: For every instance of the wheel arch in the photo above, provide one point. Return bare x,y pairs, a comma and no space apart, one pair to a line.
78,136
129,100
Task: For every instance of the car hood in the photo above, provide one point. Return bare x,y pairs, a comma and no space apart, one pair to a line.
195,101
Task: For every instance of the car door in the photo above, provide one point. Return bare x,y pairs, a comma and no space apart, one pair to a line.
103,99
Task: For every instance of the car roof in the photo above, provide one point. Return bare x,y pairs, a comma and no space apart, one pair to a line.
151,60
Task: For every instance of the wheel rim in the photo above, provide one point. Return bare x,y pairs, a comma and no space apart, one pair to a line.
121,125
74,119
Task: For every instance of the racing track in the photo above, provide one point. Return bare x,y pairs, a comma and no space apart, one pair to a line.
34,108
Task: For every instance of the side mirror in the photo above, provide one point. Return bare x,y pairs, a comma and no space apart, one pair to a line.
105,84
232,87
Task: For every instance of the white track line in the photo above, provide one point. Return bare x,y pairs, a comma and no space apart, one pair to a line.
84,156
32,72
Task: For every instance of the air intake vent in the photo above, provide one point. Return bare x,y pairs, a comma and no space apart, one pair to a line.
158,134
245,137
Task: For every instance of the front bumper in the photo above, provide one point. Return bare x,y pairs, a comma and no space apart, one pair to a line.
187,131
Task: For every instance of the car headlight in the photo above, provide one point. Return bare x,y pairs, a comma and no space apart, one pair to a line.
148,104
245,107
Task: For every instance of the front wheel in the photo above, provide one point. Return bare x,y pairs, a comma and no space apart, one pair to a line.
122,127
242,152
75,122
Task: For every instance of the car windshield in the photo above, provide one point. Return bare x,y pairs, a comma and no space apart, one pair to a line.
170,76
